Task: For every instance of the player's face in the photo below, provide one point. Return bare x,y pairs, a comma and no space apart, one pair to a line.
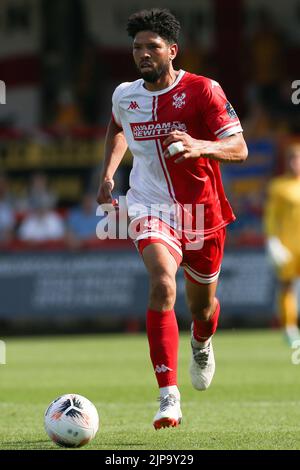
152,55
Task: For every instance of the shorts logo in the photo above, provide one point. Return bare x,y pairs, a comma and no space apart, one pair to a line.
154,130
151,225
133,105
179,100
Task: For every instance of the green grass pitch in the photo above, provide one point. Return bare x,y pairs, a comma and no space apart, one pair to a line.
253,402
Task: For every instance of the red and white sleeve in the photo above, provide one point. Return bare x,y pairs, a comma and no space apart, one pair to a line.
218,112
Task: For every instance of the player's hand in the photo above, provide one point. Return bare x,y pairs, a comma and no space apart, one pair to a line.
104,195
190,146
278,254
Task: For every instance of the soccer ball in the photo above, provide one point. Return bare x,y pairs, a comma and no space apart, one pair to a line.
71,420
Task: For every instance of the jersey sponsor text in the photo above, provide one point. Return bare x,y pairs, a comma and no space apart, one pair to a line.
155,130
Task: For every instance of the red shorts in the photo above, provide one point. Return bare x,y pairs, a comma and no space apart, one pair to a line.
200,257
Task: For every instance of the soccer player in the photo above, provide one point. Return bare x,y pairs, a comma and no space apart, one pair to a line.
282,225
179,127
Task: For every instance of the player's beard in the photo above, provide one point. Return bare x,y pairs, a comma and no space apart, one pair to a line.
154,75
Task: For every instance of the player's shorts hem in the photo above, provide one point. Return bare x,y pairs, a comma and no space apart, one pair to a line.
142,243
212,231
199,278
160,236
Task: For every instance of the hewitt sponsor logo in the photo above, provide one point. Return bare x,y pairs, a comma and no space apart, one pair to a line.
155,130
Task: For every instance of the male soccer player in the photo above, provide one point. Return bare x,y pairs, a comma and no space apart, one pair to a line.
282,224
178,126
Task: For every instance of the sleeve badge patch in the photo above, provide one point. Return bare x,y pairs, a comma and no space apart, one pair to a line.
230,111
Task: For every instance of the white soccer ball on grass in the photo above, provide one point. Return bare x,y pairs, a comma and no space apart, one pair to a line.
71,420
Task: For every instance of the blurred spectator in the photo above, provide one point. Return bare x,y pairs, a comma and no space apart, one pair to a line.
282,225
68,114
90,77
258,122
192,57
267,62
39,187
82,221
7,219
42,224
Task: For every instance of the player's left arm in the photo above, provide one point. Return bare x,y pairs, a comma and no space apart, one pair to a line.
218,115
229,149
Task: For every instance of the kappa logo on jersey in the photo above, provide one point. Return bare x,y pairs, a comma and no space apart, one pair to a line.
179,100
162,368
230,111
154,130
133,105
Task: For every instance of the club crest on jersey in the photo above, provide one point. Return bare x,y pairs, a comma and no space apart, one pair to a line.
179,100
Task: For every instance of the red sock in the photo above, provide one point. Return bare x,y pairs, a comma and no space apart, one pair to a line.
204,329
163,337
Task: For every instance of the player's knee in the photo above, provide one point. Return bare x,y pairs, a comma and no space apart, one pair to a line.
201,310
163,289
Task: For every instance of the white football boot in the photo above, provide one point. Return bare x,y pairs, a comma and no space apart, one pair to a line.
203,365
169,413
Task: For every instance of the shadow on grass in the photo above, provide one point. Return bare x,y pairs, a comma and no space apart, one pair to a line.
123,444
28,445
47,445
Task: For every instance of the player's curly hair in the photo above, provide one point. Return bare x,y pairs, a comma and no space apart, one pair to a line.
160,21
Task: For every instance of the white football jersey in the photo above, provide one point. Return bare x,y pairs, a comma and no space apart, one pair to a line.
193,104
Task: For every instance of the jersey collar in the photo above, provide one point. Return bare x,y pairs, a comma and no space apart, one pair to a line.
164,90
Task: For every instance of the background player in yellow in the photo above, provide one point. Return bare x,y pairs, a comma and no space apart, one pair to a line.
282,225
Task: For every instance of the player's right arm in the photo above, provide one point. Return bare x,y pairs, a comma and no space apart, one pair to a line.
114,150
